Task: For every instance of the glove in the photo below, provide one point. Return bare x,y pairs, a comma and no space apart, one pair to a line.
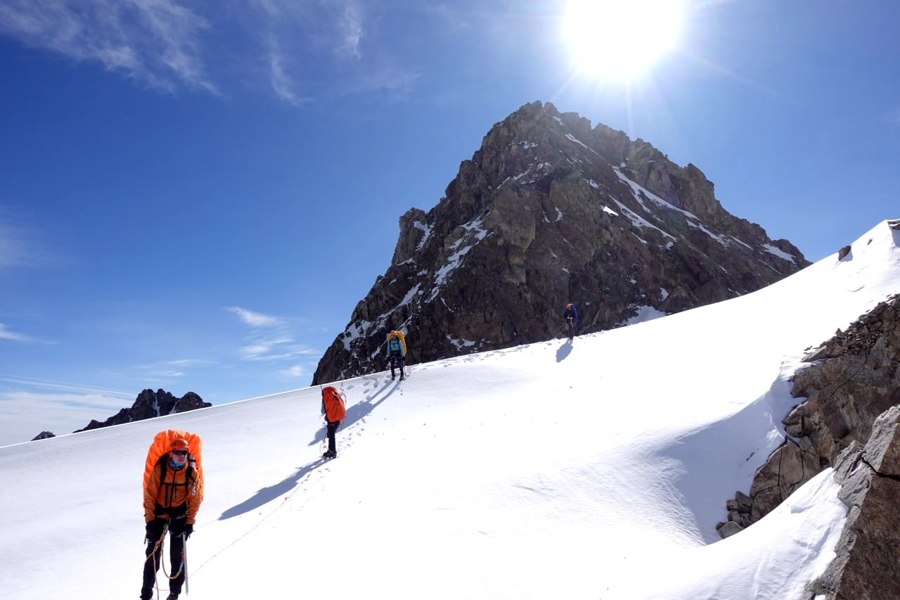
188,530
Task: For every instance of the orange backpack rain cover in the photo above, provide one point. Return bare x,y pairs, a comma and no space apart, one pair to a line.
162,443
335,410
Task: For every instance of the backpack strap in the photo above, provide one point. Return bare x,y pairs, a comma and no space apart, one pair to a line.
164,461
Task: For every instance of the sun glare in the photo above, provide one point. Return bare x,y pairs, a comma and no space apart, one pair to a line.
620,40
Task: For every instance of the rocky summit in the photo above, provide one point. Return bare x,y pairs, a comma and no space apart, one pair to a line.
147,405
548,211
150,404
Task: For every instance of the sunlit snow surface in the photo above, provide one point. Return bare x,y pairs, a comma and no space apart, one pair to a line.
591,469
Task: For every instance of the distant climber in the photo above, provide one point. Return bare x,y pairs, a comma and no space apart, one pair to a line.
570,316
334,409
396,352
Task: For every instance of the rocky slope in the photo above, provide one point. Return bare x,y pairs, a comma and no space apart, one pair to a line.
849,419
855,379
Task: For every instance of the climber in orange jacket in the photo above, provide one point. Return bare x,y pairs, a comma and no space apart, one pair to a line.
334,410
171,500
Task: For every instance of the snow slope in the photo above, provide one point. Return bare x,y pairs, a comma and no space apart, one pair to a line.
589,469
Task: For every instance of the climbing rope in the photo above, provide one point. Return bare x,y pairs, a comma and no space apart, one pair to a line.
160,548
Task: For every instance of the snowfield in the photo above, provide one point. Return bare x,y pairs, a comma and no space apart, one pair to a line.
592,469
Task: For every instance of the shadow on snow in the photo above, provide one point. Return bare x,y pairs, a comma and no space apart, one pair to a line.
355,413
270,493
564,350
360,410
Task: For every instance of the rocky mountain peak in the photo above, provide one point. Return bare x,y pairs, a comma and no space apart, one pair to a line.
550,210
147,405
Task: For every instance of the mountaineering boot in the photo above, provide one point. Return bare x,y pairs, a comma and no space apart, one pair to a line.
172,596
330,454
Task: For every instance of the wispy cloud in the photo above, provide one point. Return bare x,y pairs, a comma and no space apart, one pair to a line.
271,338
282,84
70,388
302,40
351,31
157,42
38,405
19,247
295,372
25,414
6,334
263,349
300,50
285,348
255,319
173,369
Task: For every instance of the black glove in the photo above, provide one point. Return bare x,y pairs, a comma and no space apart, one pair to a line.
188,530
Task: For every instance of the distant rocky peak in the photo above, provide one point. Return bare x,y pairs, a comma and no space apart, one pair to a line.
150,404
550,210
147,405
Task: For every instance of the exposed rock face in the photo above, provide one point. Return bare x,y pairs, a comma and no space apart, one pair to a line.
867,564
549,211
853,399
151,404
857,380
43,435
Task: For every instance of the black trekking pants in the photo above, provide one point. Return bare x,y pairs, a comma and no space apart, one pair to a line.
330,429
396,360
154,554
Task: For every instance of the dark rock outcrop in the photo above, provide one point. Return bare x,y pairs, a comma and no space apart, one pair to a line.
856,380
867,562
151,404
547,211
850,420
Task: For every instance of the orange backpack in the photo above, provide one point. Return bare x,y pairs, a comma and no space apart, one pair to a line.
333,401
399,335
159,450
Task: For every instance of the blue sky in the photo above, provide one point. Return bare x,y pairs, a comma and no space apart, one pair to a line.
194,196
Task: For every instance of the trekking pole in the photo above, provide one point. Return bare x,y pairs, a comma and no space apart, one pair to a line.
184,564
324,445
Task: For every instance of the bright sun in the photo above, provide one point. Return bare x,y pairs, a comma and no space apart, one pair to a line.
620,40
